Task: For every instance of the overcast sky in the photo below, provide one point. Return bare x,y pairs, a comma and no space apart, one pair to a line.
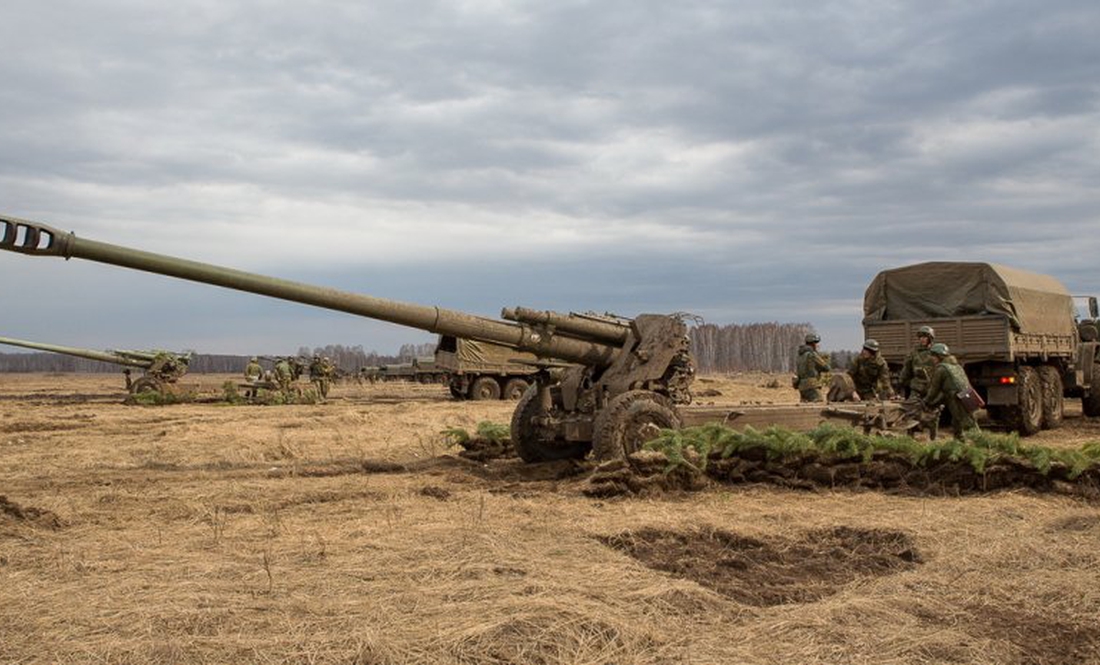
743,161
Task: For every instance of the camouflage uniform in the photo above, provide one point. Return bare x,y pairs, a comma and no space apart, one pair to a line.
916,373
283,375
813,368
871,376
321,371
253,372
948,380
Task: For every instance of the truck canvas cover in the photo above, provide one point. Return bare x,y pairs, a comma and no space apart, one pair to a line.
1033,303
473,352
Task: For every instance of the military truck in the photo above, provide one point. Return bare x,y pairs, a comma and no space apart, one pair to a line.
427,370
482,370
1015,332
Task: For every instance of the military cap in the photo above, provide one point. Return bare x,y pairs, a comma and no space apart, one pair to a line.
813,338
939,349
871,345
926,331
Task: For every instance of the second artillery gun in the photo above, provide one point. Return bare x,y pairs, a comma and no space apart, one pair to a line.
602,384
161,369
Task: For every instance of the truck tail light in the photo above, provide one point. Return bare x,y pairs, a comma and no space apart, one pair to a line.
1007,380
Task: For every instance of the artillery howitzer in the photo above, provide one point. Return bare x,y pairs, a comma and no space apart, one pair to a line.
161,368
603,384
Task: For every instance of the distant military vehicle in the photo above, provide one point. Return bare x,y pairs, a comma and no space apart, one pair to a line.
161,368
427,370
604,386
483,370
1016,333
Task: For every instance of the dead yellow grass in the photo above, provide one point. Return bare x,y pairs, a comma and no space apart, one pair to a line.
202,533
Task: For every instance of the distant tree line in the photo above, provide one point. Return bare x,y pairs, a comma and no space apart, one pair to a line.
759,347
764,347
349,358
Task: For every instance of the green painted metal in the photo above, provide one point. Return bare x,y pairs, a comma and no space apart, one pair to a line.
37,239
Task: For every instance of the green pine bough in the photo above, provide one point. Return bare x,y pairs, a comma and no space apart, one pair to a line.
978,449
486,431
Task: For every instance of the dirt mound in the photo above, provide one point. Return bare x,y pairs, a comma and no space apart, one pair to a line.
12,513
649,472
642,473
482,449
775,571
894,472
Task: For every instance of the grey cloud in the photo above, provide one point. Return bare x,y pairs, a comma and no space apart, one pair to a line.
746,159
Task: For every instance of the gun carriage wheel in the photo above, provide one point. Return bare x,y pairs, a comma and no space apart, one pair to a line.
629,420
535,440
146,385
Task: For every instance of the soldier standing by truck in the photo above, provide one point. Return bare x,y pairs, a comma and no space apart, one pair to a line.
948,385
813,369
870,373
916,373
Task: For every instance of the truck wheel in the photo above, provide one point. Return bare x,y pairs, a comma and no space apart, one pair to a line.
1090,403
1053,399
1028,413
485,388
534,443
629,420
514,389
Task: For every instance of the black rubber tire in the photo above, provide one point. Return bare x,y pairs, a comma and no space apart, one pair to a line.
1028,412
1054,401
485,388
530,443
622,427
1090,402
514,389
146,384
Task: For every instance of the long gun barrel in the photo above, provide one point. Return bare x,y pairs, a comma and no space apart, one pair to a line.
89,354
38,239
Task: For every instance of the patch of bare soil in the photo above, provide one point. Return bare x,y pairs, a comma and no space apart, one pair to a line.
773,571
1039,639
11,513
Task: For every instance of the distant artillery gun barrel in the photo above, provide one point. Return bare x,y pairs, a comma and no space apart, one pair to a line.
113,357
161,367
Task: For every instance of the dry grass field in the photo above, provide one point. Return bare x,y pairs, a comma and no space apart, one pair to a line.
350,533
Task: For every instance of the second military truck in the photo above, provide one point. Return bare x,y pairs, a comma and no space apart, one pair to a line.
1015,332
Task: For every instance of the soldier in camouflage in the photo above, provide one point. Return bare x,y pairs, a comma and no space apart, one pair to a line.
948,380
916,373
284,376
813,370
870,373
253,371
